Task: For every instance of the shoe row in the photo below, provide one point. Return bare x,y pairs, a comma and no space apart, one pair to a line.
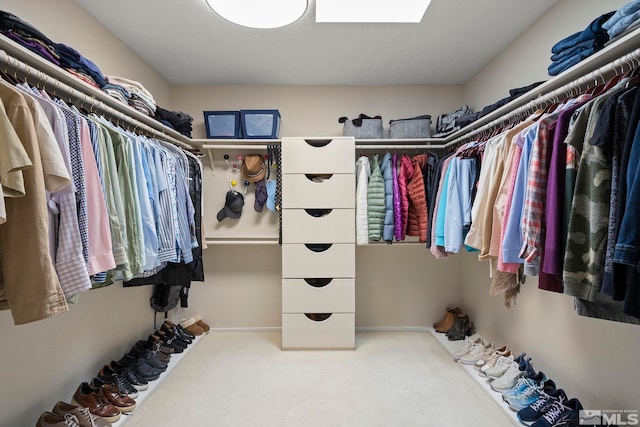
456,325
535,398
112,392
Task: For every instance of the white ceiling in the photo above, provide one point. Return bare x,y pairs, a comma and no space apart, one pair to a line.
189,44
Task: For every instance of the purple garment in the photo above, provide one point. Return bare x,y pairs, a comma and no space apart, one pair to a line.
33,46
397,203
553,250
549,282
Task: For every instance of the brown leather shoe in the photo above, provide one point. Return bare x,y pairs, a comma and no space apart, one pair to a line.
85,418
47,419
97,404
117,398
447,323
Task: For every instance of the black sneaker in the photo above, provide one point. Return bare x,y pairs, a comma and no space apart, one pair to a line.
130,374
149,358
137,352
172,340
141,368
170,330
154,346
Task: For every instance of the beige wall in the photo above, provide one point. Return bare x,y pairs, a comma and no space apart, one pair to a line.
591,359
314,110
63,21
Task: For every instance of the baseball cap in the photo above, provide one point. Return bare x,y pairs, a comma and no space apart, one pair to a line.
233,204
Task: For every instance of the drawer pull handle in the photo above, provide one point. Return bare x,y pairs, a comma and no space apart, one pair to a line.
317,213
318,177
318,247
318,282
318,317
317,142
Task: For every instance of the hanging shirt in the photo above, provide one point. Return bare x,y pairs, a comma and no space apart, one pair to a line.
513,237
38,294
13,159
457,218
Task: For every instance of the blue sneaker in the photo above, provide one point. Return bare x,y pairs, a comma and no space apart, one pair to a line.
530,395
537,409
524,383
560,413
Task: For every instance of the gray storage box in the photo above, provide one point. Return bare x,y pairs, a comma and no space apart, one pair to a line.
418,127
370,128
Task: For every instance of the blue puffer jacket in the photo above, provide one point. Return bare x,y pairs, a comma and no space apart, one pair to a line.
387,174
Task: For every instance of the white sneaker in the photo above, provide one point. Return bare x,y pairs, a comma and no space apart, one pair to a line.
491,360
466,347
509,379
492,357
499,368
477,352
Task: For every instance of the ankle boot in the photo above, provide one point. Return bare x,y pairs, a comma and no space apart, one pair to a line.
447,323
459,329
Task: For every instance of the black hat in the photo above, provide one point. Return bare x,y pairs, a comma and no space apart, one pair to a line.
233,204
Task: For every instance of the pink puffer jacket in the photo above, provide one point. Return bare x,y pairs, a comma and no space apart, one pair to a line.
406,173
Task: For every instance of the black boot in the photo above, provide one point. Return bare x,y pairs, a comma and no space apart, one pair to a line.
460,327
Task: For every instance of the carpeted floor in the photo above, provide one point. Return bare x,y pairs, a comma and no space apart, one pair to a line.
243,379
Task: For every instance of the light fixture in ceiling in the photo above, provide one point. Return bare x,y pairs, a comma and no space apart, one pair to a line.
375,11
260,13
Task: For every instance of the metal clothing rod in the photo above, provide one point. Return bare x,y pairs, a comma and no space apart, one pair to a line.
397,147
234,147
38,78
577,86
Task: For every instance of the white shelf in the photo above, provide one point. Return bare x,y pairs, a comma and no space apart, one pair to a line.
176,358
452,346
45,68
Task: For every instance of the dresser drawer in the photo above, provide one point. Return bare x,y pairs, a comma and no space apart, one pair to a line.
335,332
318,225
329,260
313,155
322,295
331,192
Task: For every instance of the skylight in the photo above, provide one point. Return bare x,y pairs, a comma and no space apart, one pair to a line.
374,11
260,13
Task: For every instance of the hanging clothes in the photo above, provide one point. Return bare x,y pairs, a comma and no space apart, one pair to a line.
38,294
387,174
363,172
417,215
375,202
404,177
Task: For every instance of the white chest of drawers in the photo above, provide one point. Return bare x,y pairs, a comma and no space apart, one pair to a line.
318,243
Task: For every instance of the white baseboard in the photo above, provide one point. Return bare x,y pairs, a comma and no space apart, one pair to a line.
358,329
248,329
392,329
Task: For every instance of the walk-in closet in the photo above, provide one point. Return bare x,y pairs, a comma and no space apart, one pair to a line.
286,306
